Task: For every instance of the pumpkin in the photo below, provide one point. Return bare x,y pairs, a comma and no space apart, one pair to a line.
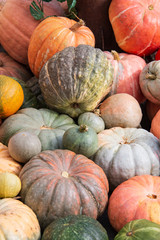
63,183
136,198
18,221
10,185
126,152
136,25
15,32
53,35
11,68
7,163
11,96
48,125
121,110
95,15
30,100
23,145
81,139
150,81
155,125
92,119
72,226
140,229
76,79
151,109
127,68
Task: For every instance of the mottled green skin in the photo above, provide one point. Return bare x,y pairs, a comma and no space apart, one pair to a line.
140,229
78,227
48,125
81,141
76,79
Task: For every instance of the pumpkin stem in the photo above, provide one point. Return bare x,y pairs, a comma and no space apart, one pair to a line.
152,196
115,55
83,128
97,112
150,76
65,174
77,25
129,233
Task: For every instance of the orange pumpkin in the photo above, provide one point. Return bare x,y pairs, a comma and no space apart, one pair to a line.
151,109
17,25
9,67
155,125
11,96
136,198
53,35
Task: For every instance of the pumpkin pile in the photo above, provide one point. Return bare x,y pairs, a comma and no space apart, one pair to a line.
79,120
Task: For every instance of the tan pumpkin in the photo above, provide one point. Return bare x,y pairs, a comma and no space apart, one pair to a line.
18,221
7,163
11,96
53,35
10,67
17,25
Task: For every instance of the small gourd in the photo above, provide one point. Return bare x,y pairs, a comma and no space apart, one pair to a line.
10,185
81,140
23,145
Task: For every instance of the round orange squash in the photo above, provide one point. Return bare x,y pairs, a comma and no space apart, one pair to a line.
17,25
136,198
11,96
53,35
155,125
151,109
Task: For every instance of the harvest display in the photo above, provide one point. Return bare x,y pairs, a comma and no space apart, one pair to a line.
79,120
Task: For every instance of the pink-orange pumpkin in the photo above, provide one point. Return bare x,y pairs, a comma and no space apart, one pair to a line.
53,35
17,25
136,198
136,25
127,68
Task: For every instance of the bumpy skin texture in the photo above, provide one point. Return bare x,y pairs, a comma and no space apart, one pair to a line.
136,25
18,221
136,198
71,227
60,183
139,229
149,80
126,152
76,79
48,125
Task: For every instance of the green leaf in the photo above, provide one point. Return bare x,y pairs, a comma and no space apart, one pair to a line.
36,11
71,4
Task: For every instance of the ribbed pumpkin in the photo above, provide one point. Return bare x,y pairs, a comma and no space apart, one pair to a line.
11,68
7,163
127,68
81,139
136,198
48,125
53,35
15,32
72,227
76,79
60,183
126,152
149,80
18,221
136,25
10,185
11,96
139,229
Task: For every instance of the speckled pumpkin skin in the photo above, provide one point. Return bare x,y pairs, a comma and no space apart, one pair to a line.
76,79
60,183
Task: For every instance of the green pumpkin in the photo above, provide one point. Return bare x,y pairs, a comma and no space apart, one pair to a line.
140,229
48,125
30,99
92,119
81,140
75,227
76,79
